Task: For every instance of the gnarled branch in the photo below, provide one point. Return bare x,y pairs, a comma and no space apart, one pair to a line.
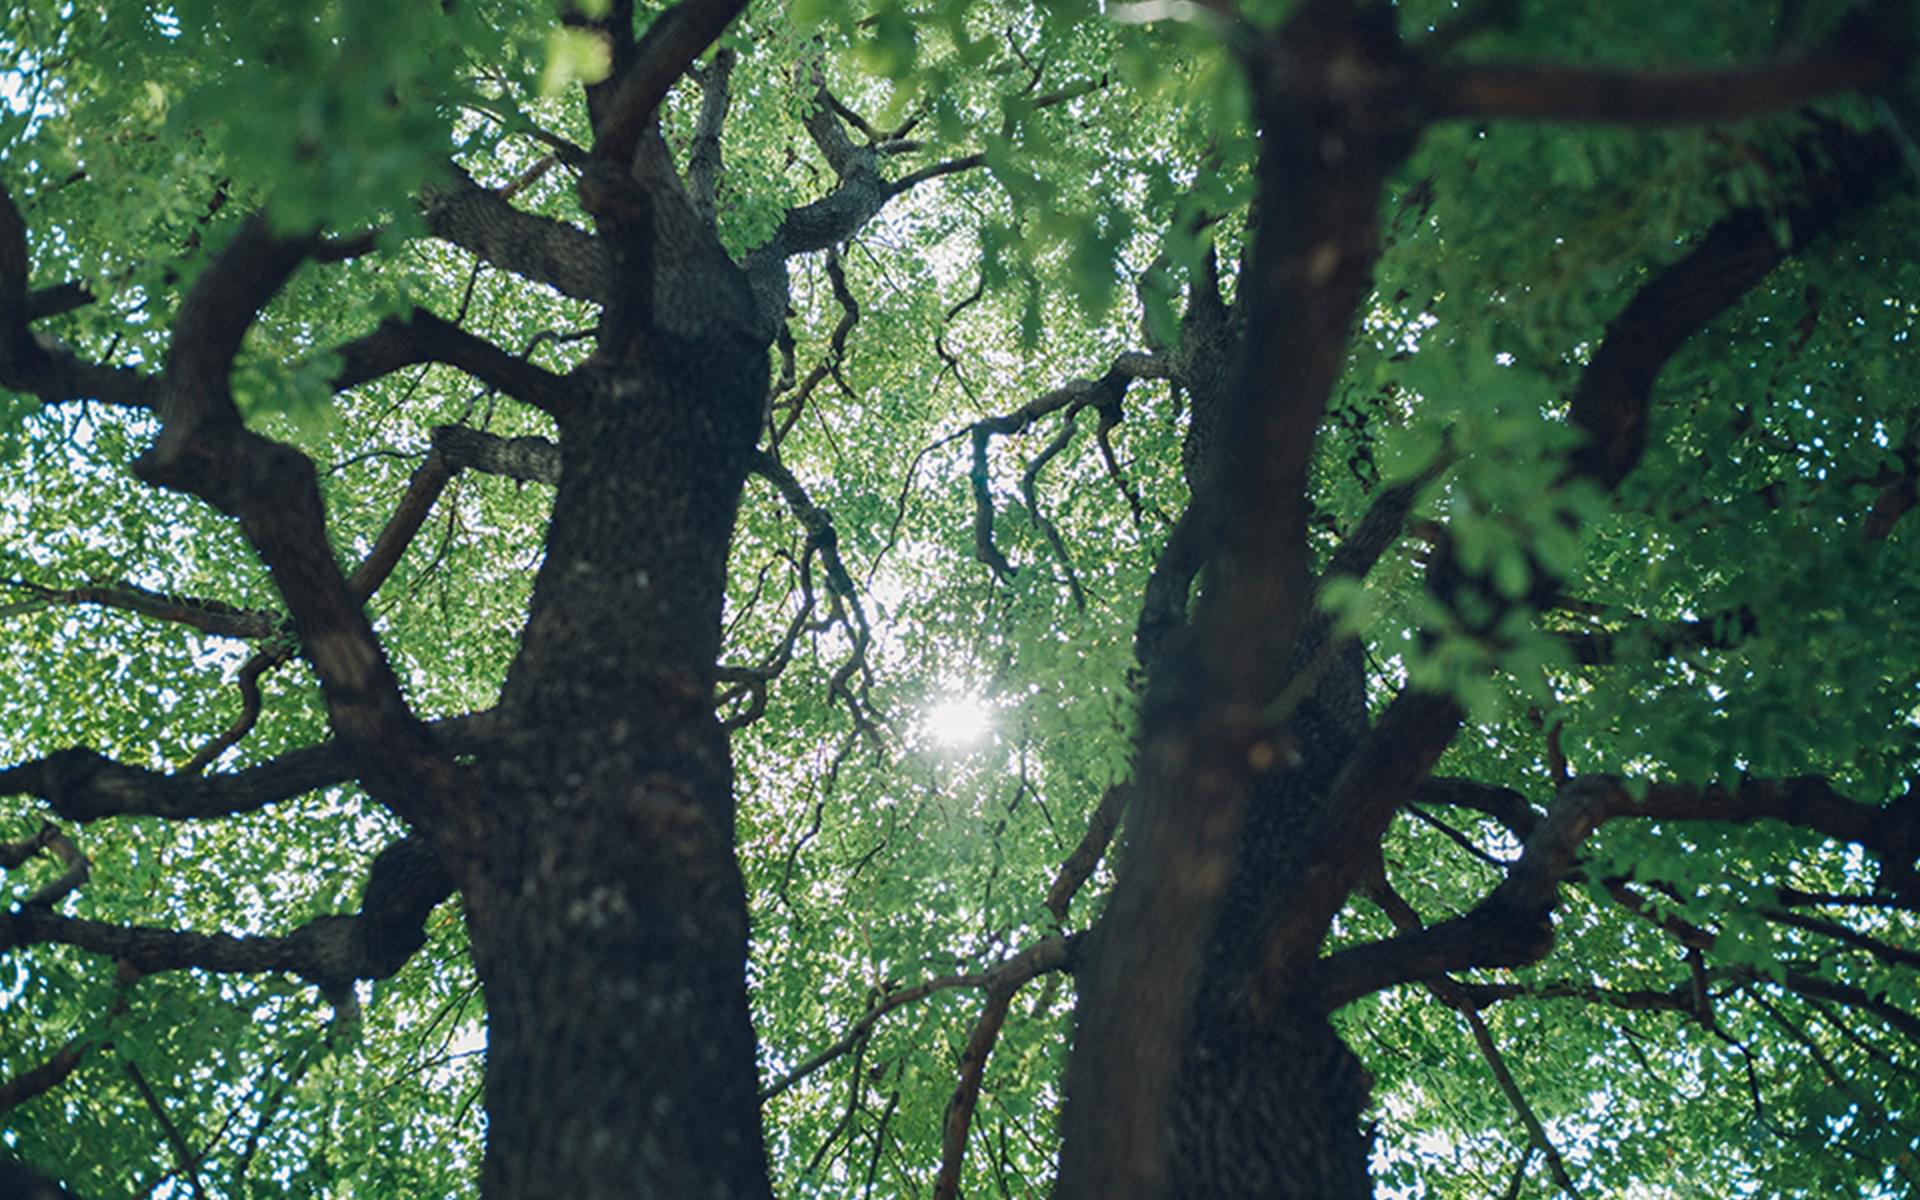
83,785
403,886
422,337
1511,926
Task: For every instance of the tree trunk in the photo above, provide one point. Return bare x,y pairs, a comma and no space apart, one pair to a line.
1269,1112
605,906
1271,1108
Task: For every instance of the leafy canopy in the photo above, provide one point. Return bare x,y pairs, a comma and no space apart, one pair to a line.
1730,611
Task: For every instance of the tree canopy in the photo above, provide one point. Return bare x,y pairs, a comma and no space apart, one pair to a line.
1212,599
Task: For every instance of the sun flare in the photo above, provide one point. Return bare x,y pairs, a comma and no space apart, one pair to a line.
959,721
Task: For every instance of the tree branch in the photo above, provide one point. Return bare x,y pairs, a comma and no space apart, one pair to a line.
424,486
82,785
1069,398
218,310
61,847
823,539
1080,864
422,337
41,1079
951,166
562,256
1511,926
204,449
1610,404
675,39
40,366
958,1121
1048,954
1503,804
1611,401
1871,53
403,886
208,616
527,459
703,159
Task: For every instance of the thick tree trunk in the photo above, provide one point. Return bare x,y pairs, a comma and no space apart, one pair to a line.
1177,1087
605,906
1269,1112
1270,1108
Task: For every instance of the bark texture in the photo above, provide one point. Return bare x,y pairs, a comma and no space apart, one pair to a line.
608,917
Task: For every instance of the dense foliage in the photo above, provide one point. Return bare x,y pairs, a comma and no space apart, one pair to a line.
1563,412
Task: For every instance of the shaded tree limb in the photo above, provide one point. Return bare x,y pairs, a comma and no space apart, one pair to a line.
251,704
1511,925
1503,804
1369,790
38,365
186,1161
1486,995
703,158
422,337
958,1119
1309,268
611,25
1870,53
860,192
1806,983
1079,865
951,166
50,840
208,616
56,300
562,256
1610,405
1660,640
82,785
1381,525
403,886
671,44
423,489
1406,920
59,1066
1069,398
1896,499
1510,1088
1886,952
823,539
823,125
63,1062
750,682
213,318
830,364
527,459
205,449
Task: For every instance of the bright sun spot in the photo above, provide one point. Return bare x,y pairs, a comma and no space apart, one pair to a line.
958,721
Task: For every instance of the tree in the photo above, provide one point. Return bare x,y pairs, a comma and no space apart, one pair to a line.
1481,601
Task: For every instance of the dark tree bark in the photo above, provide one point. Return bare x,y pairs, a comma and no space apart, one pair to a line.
1204,1064
606,910
587,822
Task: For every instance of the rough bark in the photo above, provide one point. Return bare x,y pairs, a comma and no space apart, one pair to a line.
606,910
1261,1104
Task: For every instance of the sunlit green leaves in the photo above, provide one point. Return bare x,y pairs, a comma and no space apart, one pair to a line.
574,56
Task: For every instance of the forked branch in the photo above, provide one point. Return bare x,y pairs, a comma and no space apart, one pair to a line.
1512,925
